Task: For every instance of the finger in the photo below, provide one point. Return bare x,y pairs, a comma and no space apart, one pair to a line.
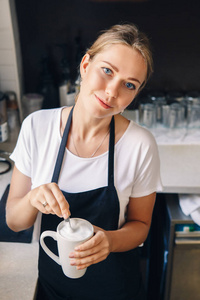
61,201
54,197
48,197
44,207
45,201
44,195
90,247
88,258
93,242
93,255
48,210
100,249
88,261
39,203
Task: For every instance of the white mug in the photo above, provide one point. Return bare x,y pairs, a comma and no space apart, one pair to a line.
66,244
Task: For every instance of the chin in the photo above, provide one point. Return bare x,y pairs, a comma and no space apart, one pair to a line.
99,113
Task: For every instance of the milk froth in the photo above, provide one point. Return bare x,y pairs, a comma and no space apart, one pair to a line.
79,230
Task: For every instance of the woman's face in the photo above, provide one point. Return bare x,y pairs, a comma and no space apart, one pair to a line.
111,80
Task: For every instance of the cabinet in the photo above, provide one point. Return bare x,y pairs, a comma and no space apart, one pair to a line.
174,254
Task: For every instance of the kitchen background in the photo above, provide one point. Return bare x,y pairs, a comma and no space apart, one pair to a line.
34,29
33,35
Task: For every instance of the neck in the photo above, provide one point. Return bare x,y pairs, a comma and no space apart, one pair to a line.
85,126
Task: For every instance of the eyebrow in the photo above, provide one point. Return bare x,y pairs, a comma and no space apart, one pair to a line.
116,69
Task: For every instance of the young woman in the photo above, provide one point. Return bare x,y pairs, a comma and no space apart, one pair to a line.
106,170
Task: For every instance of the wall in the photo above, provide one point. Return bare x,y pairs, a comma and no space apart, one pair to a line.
10,56
172,26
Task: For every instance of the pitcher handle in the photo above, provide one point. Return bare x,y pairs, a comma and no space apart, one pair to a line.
52,234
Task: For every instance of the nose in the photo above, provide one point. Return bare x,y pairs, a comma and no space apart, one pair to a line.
112,89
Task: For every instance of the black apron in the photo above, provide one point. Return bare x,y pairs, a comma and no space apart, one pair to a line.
117,277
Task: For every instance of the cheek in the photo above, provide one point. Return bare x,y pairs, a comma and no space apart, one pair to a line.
94,81
126,101
126,97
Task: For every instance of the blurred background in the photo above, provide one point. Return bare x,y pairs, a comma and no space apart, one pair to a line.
172,26
41,45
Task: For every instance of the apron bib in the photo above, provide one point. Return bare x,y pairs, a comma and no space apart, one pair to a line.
117,277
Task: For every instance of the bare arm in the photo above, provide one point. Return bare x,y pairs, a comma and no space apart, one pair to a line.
23,204
133,233
135,230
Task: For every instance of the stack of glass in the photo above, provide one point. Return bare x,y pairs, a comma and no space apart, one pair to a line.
173,112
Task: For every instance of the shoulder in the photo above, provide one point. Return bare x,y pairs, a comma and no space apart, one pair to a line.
141,133
42,119
43,115
136,134
41,124
127,127
137,147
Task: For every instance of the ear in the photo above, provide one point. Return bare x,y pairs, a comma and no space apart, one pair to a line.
84,64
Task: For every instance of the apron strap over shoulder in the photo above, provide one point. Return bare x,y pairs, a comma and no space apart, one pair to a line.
61,152
111,153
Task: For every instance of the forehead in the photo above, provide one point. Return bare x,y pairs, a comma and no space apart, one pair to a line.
125,58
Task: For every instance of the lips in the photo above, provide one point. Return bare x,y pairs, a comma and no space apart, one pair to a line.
102,103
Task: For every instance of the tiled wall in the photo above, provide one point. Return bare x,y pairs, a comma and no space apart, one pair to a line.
10,57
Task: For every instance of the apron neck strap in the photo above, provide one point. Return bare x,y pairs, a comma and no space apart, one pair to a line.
111,153
61,152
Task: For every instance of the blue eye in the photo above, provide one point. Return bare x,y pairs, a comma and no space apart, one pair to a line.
130,86
107,71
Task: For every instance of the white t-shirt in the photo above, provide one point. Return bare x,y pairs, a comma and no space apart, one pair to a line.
136,163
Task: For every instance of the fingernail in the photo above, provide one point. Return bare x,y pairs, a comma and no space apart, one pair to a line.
71,255
77,248
72,262
65,216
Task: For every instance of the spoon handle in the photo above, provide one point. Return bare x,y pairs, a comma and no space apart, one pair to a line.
68,221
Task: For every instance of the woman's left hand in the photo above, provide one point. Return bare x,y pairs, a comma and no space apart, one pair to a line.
92,251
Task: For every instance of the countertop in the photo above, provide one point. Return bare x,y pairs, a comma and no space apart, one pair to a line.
179,159
18,261
180,171
18,270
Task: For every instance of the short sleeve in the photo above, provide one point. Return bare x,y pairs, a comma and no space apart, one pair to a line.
147,178
22,152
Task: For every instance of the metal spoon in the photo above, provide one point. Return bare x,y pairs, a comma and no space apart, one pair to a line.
68,221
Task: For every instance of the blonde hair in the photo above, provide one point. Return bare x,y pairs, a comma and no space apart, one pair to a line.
127,34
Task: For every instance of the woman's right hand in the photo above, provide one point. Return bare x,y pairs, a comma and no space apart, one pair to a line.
49,199
23,203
